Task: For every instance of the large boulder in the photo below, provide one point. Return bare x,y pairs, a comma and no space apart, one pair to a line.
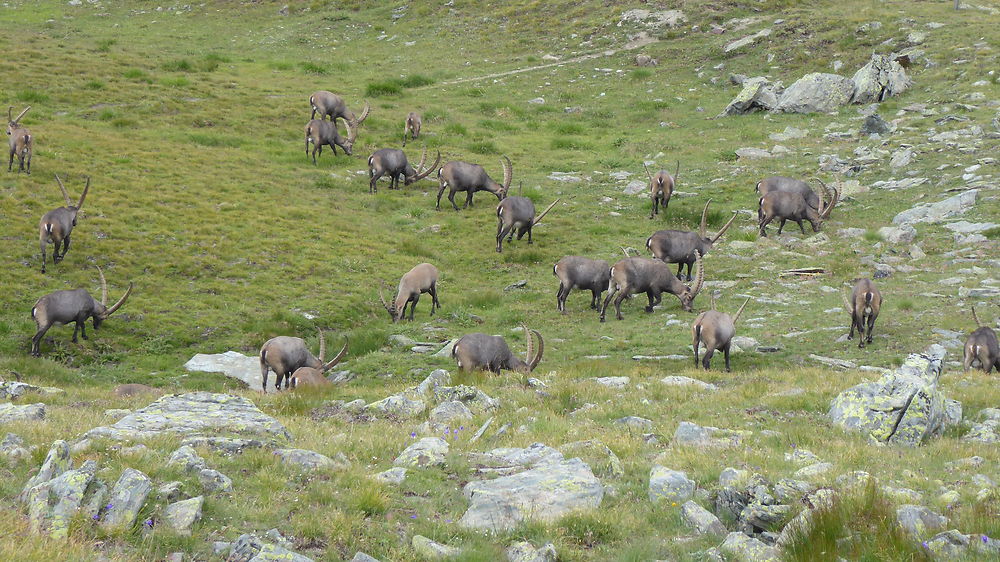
52,504
429,451
904,406
936,212
234,365
127,497
816,92
10,413
671,486
881,78
758,94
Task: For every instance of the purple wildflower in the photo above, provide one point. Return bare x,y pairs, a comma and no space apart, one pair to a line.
109,506
925,544
986,539
414,516
149,523
96,517
413,434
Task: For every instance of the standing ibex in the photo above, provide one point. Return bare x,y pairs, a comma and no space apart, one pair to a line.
284,355
73,305
20,140
393,162
790,206
321,133
661,187
517,213
314,376
982,348
575,272
716,330
470,178
631,276
327,103
491,353
421,279
791,185
57,225
679,246
412,126
865,303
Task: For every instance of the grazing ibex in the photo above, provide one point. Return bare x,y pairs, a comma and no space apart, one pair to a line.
327,103
20,140
517,213
631,276
421,279
284,355
57,225
314,376
661,187
412,126
73,305
679,246
791,185
470,178
716,330
393,163
575,272
981,348
321,133
645,60
490,353
865,303
789,206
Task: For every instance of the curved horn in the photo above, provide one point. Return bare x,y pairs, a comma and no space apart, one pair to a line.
836,199
624,251
333,362
21,115
352,132
529,353
826,188
847,304
822,204
736,318
703,232
700,278
86,188
104,287
430,170
541,349
725,228
118,304
423,160
508,173
975,317
381,297
648,175
547,209
364,113
65,194
677,172
322,345
10,114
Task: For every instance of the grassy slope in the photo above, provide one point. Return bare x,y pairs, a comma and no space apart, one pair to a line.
191,125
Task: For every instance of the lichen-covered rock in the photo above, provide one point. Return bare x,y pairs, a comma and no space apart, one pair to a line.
430,550
12,447
802,457
692,434
399,406
814,470
987,431
10,413
362,557
309,460
635,423
429,451
509,457
703,521
250,548
816,92
94,499
918,521
225,445
476,400
598,455
450,413
16,389
544,493
187,458
670,486
949,544
194,413
757,517
738,546
802,523
394,475
52,504
788,490
170,491
56,462
758,94
127,497
181,516
524,551
214,481
881,78
675,380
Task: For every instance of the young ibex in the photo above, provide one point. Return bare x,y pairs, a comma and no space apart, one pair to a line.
74,305
645,60
57,225
631,276
329,104
412,126
490,353
716,330
790,206
470,178
517,213
791,185
321,133
393,162
421,279
315,376
981,348
575,272
661,187
865,303
286,354
679,246
20,140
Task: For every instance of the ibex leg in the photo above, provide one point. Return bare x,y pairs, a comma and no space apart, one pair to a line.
468,198
413,305
434,298
607,300
725,350
781,226
802,228
451,197
502,230
871,326
10,165
763,225
37,340
65,248
595,296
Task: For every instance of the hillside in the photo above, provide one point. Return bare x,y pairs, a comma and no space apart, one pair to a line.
188,118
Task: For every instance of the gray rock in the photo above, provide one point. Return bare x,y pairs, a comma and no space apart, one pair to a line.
430,550
392,476
674,380
758,94
214,481
752,153
52,503
881,78
476,400
362,557
966,227
598,455
984,432
802,457
10,413
170,491
901,158
250,548
449,413
56,462
310,460
545,493
875,125
438,377
429,451
745,41
738,546
16,389
127,497
670,486
537,101
691,434
194,413
516,285
526,552
813,470
703,521
187,458
816,92
801,523
757,517
653,18
231,364
399,406
731,476
903,234
225,445
788,490
12,447
612,382
635,187
948,544
181,516
636,423
936,212
918,521
789,134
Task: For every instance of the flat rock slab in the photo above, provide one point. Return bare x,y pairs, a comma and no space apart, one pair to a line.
232,364
14,389
429,451
10,413
52,504
194,413
306,459
688,381
127,497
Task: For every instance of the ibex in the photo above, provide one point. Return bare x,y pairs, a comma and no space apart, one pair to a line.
329,104
679,246
412,126
716,330
421,279
314,376
74,305
490,353
866,300
575,272
57,225
393,162
791,185
661,187
789,206
517,213
645,60
981,348
20,140
321,133
285,354
631,276
470,178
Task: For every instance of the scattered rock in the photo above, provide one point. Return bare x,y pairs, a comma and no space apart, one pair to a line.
310,460
53,502
516,285
635,423
13,389
738,546
250,548
399,406
598,455
875,125
789,134
645,60
214,481
816,92
752,153
635,187
612,382
392,476
430,550
814,470
57,461
526,552
703,521
748,40
11,413
126,499
187,458
476,400
948,544
12,447
691,434
181,516
450,413
901,158
429,451
758,94
226,445
674,380
881,78
651,18
903,234
918,521
536,101
671,486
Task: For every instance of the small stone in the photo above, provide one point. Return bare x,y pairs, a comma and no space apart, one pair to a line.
181,516
703,521
429,451
635,423
450,413
612,382
537,101
310,460
392,476
430,550
674,380
214,481
814,470
671,486
526,552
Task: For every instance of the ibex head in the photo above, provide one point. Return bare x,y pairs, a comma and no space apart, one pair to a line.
508,175
395,312
420,172
824,209
102,311
13,123
69,203
352,135
689,294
